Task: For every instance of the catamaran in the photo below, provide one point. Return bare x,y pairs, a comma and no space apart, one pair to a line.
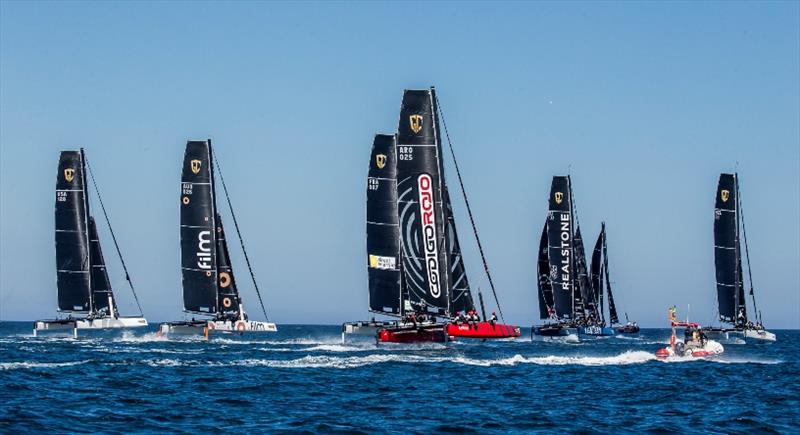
729,230
209,286
570,296
599,271
84,287
414,262
559,304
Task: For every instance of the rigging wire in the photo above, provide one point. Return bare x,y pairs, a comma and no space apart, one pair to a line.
241,240
746,249
113,236
469,211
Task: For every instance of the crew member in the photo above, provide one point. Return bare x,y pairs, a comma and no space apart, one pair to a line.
494,318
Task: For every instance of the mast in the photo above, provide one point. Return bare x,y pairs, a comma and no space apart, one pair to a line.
73,266
421,209
198,231
383,229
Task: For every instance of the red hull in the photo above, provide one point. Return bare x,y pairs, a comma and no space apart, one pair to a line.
483,330
429,334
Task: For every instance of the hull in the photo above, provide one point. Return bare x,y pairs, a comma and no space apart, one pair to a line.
483,330
745,333
215,326
627,329
710,349
73,325
552,331
433,333
597,331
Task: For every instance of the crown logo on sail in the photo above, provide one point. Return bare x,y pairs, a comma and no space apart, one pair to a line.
380,160
558,197
195,165
69,174
415,121
724,195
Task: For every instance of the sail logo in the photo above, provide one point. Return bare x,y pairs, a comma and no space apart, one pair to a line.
195,166
425,186
204,250
69,174
380,160
415,122
724,195
558,197
381,262
565,235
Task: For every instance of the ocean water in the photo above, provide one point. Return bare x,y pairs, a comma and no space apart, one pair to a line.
304,379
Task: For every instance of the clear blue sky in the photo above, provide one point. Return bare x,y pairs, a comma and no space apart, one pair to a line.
648,103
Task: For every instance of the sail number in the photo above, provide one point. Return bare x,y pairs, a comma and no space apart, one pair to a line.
405,153
372,184
61,196
186,188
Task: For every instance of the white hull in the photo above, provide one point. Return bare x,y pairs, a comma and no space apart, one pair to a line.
748,334
73,325
364,328
214,326
759,334
710,349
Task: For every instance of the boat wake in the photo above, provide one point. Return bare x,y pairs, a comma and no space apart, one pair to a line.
38,365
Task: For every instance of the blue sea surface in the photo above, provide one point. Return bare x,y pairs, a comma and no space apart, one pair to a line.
304,379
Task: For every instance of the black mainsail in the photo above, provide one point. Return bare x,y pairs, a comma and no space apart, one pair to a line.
383,230
599,272
727,252
543,271
559,239
612,307
198,231
422,213
584,289
73,264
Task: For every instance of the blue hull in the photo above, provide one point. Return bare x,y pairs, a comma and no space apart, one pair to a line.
597,331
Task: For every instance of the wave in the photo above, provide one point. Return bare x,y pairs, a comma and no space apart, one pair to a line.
148,337
38,365
287,342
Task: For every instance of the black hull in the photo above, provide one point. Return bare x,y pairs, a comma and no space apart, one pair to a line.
627,329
